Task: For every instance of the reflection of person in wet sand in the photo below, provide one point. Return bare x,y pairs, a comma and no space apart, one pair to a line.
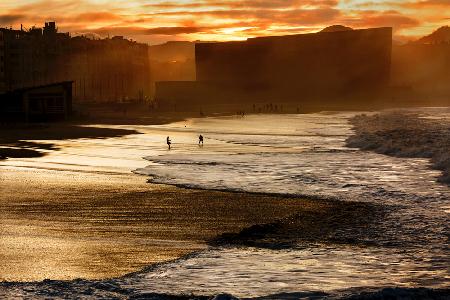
200,140
169,142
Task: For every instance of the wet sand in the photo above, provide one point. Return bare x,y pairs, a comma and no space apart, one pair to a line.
59,224
79,211
74,209
16,140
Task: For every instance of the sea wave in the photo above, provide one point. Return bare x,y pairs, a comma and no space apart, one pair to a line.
389,229
405,135
412,228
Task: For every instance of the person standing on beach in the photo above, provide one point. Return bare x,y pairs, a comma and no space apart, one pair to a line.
169,142
200,140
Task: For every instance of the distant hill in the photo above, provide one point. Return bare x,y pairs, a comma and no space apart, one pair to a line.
441,35
336,28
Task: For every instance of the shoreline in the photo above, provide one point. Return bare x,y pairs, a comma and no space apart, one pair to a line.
113,289
95,219
99,211
105,209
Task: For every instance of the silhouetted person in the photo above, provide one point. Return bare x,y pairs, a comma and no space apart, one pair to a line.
200,140
169,142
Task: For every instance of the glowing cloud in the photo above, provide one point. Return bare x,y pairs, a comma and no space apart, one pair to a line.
158,20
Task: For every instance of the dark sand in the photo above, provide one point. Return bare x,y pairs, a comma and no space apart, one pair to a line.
99,222
65,225
15,139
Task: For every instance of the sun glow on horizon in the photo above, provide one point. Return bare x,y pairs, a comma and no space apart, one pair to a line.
159,21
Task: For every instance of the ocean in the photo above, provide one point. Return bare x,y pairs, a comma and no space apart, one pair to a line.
301,155
305,155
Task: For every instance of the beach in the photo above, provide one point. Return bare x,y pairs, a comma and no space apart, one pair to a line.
259,210
67,225
91,217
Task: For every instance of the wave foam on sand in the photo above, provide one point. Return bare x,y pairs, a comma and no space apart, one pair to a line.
405,135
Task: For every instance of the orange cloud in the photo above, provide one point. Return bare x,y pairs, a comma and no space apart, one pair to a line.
96,17
11,18
382,19
159,20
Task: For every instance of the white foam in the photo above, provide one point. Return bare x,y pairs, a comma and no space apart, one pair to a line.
306,155
297,155
257,272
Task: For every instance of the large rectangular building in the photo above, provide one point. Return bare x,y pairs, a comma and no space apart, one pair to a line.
323,67
318,64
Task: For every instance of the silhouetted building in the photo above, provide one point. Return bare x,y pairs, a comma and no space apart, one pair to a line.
324,67
41,103
113,69
50,29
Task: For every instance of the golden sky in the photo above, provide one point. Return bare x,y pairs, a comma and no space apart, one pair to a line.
156,21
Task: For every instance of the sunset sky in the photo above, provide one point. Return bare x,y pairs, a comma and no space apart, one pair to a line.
156,21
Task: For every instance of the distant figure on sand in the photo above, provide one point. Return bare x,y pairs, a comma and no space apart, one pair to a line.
169,142
200,140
